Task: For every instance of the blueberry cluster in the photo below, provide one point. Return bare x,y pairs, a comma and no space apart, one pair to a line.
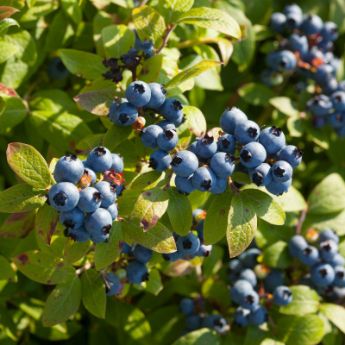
130,60
191,245
85,193
245,289
143,97
196,317
325,264
305,48
208,163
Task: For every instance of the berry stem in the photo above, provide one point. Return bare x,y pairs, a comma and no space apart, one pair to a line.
165,37
301,220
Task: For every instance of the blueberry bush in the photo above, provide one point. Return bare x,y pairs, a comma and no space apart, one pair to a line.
172,172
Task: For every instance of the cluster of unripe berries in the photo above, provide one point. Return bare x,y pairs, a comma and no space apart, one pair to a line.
246,290
85,193
307,50
208,163
325,264
130,60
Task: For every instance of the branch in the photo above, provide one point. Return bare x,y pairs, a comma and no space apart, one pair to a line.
165,38
301,220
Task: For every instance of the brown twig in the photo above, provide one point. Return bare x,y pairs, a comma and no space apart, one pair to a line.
301,220
165,38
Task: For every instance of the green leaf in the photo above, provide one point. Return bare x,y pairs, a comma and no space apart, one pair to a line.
149,23
12,112
264,205
172,9
6,270
93,293
115,135
195,121
217,218
328,196
29,165
202,336
83,64
17,225
106,253
7,23
191,72
154,285
43,267
304,301
336,13
300,330
117,40
256,94
150,207
62,303
212,18
241,227
20,198
284,105
292,201
334,313
277,255
179,212
151,69
159,238
45,223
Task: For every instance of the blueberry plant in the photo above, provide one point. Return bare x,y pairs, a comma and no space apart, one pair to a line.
172,172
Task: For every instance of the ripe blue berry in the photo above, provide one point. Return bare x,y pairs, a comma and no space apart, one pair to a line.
167,140
138,93
296,245
258,316
273,280
117,163
252,155
90,175
222,164
272,139
322,275
292,8
328,234
328,249
247,132
188,245
63,196
206,147
241,316
249,275
99,221
124,114
226,143
203,179
282,61
185,163
149,135
68,169
249,257
158,94
281,171
329,31
136,272
160,160
78,235
90,199
99,159
112,209
290,154
311,25
279,188
240,289
184,184
108,193
231,118
165,124
113,284
338,100
219,186
249,300
261,175
172,110
73,219
142,254
339,279
187,306
193,322
309,256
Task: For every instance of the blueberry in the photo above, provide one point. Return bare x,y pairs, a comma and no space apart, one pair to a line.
185,163
249,300
68,169
322,275
258,316
99,223
78,235
252,155
278,21
149,135
89,176
113,284
240,289
328,249
158,94
142,254
112,209
226,143
203,179
188,245
184,184
222,164
309,256
282,61
248,275
216,322
204,250
160,160
206,147
231,118
281,171
261,175
172,110
117,163
193,322
56,69
219,186
172,257
290,154
249,257
297,244
329,31
337,260
311,25
337,120
235,266
167,140
292,8
187,306
279,188
137,272
338,100
273,280
73,219
272,139
328,234
323,73
63,196
247,132
241,316
108,193
271,77
124,114
165,124
125,248
99,159
138,93
90,199
339,279
320,105
293,20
